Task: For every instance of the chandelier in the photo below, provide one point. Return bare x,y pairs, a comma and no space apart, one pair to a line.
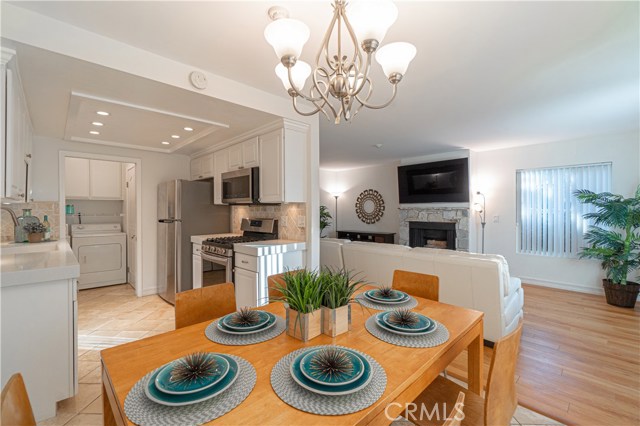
341,82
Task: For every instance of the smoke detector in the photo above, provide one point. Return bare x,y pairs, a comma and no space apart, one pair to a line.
198,80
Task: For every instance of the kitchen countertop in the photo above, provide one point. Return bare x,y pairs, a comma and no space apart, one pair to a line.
264,248
28,263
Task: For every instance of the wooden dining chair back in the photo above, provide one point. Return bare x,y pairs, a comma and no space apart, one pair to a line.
456,415
206,303
416,284
15,405
501,399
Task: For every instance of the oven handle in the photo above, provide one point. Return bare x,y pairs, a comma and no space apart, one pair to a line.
213,258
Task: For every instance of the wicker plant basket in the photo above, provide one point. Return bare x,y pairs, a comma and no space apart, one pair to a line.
624,296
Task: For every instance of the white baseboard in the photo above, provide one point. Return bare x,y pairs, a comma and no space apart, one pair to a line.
562,286
149,291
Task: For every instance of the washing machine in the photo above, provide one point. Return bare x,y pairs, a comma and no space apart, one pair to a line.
101,250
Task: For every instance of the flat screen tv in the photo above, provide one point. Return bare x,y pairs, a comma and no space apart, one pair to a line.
437,182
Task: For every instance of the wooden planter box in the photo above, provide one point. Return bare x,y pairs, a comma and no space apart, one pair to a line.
336,321
303,326
36,237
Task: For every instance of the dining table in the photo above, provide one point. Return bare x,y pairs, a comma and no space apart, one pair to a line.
409,370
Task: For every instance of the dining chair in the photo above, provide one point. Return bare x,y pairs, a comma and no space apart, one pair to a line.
456,415
416,284
276,279
500,401
206,303
15,405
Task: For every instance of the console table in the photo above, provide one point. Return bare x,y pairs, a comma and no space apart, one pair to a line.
374,237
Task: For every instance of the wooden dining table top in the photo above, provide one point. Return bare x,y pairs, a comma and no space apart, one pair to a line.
405,367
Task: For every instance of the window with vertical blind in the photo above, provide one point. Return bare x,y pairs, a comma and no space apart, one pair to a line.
549,218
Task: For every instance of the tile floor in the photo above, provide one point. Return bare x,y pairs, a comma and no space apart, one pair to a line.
111,316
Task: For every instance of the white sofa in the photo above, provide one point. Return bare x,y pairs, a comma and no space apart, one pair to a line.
476,281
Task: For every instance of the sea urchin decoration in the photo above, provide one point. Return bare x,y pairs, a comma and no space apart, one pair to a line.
384,292
193,367
331,363
403,318
246,317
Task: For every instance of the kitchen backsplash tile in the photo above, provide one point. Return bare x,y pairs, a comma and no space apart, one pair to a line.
287,215
39,209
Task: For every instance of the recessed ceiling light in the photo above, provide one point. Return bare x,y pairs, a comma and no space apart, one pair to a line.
97,123
93,132
102,113
175,136
165,143
188,129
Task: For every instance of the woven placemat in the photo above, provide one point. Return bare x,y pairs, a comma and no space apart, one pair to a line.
302,399
142,411
409,304
436,338
223,338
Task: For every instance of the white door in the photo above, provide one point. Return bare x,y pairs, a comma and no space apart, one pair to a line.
132,237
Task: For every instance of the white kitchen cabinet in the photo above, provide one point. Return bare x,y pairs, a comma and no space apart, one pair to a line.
244,155
282,160
76,178
105,179
246,288
202,167
220,165
87,179
17,132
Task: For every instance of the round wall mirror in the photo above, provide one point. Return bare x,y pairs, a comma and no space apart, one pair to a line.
370,206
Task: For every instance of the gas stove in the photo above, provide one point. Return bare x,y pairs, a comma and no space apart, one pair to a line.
253,230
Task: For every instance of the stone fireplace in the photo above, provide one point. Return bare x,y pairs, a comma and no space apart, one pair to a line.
440,235
438,227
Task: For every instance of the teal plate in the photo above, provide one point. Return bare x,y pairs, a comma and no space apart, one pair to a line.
397,296
269,324
228,322
164,383
424,323
157,396
305,367
303,381
384,326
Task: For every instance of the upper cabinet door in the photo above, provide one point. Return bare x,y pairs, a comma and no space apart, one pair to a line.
105,180
250,154
271,169
235,157
207,166
220,166
196,168
76,178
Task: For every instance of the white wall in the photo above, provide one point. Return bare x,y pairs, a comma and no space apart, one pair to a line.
496,177
351,183
155,168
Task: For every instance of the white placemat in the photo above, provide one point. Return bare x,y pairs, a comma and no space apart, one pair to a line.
223,338
438,337
409,304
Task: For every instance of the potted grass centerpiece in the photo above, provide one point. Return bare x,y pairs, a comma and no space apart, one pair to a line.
339,289
302,296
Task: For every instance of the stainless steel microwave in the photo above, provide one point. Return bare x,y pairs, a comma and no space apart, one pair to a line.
241,186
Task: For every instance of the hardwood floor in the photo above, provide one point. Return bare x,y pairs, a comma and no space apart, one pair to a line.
579,359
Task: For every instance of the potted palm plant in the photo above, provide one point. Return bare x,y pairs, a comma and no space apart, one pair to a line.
339,289
325,219
614,239
302,296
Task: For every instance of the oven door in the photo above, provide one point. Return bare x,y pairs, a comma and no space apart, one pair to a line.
240,186
216,269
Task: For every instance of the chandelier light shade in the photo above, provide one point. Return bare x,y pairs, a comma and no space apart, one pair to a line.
340,75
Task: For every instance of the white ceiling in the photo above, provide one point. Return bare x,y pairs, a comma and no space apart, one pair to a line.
64,93
487,74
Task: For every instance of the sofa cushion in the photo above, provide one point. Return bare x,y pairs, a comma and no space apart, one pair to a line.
515,284
331,254
513,306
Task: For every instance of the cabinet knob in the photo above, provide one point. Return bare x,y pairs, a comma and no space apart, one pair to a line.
243,261
28,155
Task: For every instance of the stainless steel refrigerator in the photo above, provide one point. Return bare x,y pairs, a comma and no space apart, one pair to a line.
185,208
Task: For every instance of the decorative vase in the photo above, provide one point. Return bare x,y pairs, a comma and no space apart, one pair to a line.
336,321
303,326
36,237
623,296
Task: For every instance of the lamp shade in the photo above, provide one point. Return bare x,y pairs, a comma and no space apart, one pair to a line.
287,36
371,19
299,73
395,57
